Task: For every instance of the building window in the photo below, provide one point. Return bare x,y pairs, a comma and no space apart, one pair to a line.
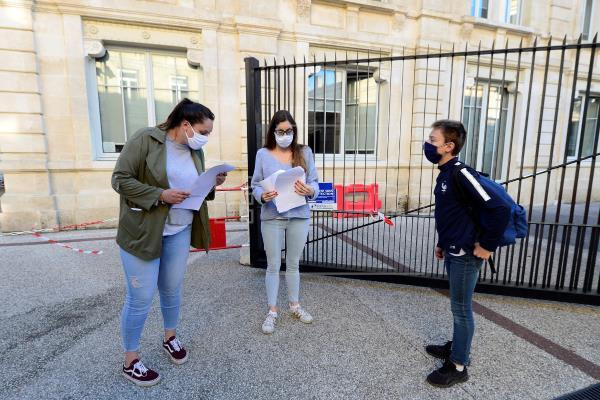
500,11
325,109
589,8
512,11
173,80
342,112
134,89
479,8
486,140
577,126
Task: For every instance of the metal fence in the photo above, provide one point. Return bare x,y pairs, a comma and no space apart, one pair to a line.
532,116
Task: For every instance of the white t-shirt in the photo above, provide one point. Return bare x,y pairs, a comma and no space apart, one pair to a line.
181,173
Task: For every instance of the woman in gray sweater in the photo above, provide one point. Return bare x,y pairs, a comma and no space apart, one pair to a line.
282,152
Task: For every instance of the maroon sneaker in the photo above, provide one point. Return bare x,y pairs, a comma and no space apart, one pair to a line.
177,354
140,375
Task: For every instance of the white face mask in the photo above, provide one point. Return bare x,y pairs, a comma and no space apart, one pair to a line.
197,141
284,141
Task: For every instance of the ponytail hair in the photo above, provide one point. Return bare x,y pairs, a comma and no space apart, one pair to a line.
186,110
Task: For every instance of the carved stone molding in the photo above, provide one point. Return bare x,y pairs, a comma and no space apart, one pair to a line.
303,8
90,29
466,30
117,31
194,57
94,48
399,21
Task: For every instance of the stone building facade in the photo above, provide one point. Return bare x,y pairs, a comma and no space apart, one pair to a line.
78,77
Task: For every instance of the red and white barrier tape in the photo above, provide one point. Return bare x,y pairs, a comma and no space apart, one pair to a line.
241,188
37,233
381,217
66,246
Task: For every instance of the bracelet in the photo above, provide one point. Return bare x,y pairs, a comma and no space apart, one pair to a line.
160,200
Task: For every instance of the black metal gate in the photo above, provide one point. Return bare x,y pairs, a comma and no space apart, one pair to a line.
532,114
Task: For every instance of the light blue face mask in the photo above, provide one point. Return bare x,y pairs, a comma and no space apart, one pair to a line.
284,141
197,141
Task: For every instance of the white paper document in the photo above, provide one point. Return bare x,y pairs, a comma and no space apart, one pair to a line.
203,185
283,183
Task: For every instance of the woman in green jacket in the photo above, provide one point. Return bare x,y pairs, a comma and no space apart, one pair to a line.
152,171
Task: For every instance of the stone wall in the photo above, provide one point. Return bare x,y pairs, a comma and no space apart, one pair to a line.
47,153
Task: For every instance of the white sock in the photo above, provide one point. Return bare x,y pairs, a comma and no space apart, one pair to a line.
273,313
459,367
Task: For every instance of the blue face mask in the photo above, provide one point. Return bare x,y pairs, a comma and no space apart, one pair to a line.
431,153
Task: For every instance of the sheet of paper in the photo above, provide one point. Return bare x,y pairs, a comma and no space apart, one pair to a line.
203,185
287,198
268,184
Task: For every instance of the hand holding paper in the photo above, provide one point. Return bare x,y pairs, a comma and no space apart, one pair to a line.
283,182
174,196
268,184
203,185
268,196
303,189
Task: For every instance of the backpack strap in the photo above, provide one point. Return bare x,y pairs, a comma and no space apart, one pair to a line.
460,191
462,198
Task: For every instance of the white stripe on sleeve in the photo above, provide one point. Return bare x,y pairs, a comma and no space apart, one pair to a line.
476,184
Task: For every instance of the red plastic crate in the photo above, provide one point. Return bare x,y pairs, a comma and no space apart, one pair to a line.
371,202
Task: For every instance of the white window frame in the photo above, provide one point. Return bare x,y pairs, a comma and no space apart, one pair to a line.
580,125
497,12
93,96
342,122
482,127
341,154
589,35
475,10
506,13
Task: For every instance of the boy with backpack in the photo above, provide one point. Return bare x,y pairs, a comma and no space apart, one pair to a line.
471,216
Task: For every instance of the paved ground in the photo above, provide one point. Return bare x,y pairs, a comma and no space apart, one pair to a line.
60,334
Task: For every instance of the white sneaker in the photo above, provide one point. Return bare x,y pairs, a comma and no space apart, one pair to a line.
269,325
301,314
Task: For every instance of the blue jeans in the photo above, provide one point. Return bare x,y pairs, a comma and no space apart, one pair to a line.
295,230
463,272
143,277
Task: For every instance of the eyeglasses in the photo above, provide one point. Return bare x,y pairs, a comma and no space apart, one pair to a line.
280,133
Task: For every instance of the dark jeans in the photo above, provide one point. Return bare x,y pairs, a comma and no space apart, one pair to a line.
463,272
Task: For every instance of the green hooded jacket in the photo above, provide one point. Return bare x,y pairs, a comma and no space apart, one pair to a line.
140,176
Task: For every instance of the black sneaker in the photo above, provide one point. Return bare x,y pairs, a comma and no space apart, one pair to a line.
442,352
140,375
177,354
447,375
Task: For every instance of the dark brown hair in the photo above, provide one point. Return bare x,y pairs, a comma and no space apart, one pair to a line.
279,117
453,131
186,110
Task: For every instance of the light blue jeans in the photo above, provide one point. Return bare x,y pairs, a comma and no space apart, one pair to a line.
143,277
295,231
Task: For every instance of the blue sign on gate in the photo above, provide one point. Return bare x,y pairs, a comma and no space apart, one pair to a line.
326,200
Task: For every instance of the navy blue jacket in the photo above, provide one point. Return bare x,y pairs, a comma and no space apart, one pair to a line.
454,223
